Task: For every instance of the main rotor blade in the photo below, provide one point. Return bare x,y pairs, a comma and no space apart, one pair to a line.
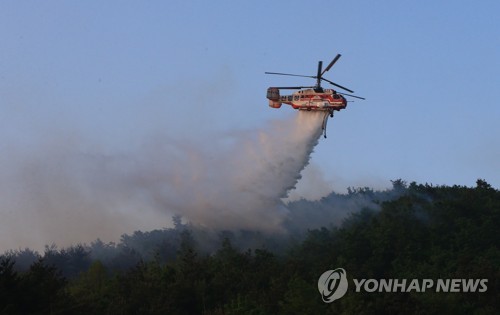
292,87
362,98
293,75
331,63
318,77
338,85
320,65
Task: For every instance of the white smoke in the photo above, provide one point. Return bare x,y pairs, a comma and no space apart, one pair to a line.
62,193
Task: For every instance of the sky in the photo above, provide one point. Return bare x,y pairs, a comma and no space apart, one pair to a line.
110,77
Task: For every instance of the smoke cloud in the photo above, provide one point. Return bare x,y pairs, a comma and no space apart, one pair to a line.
63,192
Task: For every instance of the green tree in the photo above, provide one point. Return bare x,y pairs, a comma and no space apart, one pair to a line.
10,290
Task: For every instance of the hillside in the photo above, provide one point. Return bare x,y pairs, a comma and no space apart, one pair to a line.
415,231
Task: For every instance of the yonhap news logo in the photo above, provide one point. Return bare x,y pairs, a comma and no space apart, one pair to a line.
333,284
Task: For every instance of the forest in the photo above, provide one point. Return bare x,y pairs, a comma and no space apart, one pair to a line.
411,231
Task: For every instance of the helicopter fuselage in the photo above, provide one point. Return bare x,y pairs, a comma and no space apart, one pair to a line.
308,99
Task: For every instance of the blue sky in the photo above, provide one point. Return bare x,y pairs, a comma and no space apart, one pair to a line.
115,72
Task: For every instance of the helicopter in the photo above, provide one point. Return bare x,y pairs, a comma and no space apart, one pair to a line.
312,98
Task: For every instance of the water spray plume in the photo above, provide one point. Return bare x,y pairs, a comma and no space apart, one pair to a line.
243,187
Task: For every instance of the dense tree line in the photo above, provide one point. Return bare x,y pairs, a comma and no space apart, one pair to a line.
410,232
